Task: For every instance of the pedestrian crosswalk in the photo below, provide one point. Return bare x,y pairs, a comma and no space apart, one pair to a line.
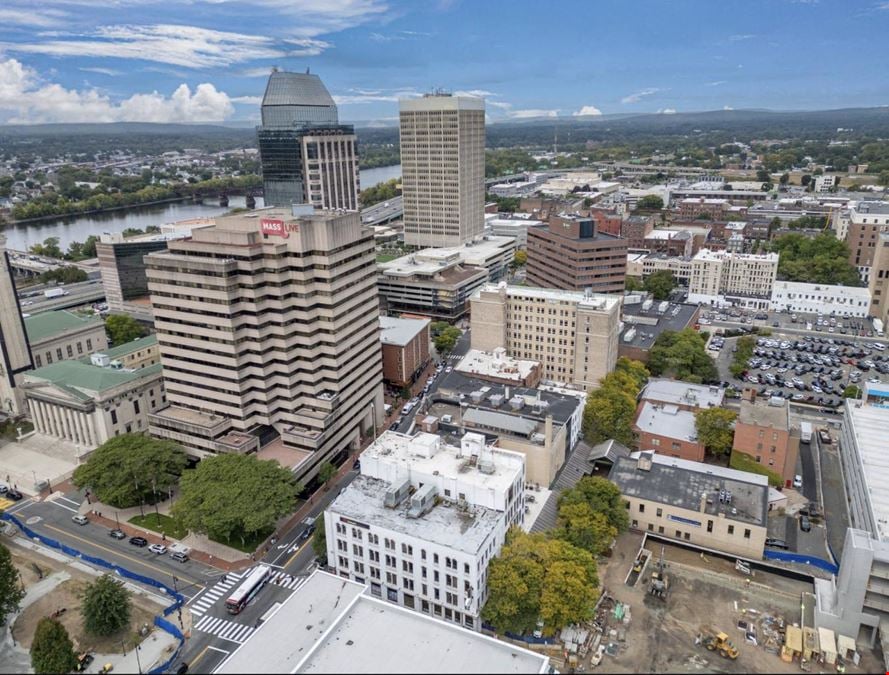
212,595
287,580
225,629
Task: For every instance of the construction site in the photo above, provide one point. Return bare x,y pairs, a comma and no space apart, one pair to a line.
668,609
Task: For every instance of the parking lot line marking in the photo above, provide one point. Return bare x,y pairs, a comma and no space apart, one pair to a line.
168,573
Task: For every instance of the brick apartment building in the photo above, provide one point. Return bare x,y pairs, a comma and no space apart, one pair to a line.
668,430
405,344
632,228
569,253
763,433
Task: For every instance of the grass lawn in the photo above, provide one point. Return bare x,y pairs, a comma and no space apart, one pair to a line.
160,524
386,257
250,543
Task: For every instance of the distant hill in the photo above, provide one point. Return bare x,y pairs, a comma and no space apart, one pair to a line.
117,129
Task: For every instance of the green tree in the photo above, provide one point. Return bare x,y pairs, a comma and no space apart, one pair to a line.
660,284
715,428
822,259
785,178
540,578
11,589
51,649
745,347
130,469
446,340
852,391
682,355
319,541
650,202
105,606
520,259
49,248
602,496
805,179
122,328
633,284
580,526
380,193
883,178
763,176
326,473
611,408
230,496
67,274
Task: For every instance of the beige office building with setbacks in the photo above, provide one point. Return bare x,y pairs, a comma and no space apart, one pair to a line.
442,169
269,319
573,334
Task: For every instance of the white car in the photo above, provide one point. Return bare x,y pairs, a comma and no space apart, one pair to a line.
160,549
797,481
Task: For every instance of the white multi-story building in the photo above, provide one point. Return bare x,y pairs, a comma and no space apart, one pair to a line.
820,298
724,277
824,183
442,169
424,519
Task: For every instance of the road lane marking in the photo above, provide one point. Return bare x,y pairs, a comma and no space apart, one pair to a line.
169,573
61,506
298,551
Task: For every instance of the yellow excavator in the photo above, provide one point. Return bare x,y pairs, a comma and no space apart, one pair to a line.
719,642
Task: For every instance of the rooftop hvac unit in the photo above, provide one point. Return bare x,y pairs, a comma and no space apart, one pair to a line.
496,400
100,359
630,335
661,308
422,501
477,396
397,493
538,438
647,305
517,403
540,404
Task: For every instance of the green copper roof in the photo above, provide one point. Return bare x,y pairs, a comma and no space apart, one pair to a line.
77,376
128,347
48,324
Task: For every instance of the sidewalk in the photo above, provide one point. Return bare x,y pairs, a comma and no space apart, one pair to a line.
154,650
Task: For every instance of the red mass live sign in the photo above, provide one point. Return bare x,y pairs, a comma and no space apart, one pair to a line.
274,227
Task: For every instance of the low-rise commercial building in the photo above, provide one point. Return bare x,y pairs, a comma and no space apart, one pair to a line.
61,335
424,519
405,345
499,368
725,277
668,430
644,320
692,207
683,395
763,433
790,296
644,265
90,400
573,335
352,631
669,242
437,282
702,505
517,228
569,253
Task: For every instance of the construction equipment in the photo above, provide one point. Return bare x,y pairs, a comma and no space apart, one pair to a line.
718,642
83,661
659,584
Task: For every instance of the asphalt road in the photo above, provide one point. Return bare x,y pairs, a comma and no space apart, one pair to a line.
53,519
81,293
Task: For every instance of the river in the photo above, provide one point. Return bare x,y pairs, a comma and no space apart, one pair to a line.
78,228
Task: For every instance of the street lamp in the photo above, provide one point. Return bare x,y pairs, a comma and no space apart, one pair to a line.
136,482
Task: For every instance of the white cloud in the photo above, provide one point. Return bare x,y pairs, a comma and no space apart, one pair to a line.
476,93
639,95
44,18
535,112
187,46
398,35
501,105
667,111
716,83
26,99
263,71
364,96
110,72
740,38
588,110
727,107
249,100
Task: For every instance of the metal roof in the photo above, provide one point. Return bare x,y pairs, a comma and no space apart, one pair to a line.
500,421
50,324
296,89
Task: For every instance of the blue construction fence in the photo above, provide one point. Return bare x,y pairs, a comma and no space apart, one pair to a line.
160,622
786,556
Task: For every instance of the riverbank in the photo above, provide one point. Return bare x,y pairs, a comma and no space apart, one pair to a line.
95,212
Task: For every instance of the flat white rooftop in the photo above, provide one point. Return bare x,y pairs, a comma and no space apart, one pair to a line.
846,293
330,625
427,454
582,299
431,260
708,254
683,393
869,424
396,331
668,421
496,364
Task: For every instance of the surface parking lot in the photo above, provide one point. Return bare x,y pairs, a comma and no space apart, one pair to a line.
811,369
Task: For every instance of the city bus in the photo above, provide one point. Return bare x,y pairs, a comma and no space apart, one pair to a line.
249,587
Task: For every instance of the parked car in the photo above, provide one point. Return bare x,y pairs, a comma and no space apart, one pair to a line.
797,481
160,549
179,556
14,495
141,542
777,543
117,534
80,519
825,437
805,524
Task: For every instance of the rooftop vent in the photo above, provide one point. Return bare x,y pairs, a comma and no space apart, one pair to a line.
422,501
397,493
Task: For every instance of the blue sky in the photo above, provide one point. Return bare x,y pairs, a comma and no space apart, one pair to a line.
207,60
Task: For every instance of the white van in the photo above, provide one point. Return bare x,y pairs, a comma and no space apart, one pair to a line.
407,408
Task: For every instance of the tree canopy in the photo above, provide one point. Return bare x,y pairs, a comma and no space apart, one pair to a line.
128,469
379,193
715,428
106,606
745,347
602,496
536,577
610,409
682,355
51,649
660,284
319,541
122,328
11,590
230,496
652,202
822,259
444,336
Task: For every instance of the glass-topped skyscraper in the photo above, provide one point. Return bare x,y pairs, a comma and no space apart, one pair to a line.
306,155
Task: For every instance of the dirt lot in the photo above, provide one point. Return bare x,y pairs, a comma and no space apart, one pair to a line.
67,595
704,592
